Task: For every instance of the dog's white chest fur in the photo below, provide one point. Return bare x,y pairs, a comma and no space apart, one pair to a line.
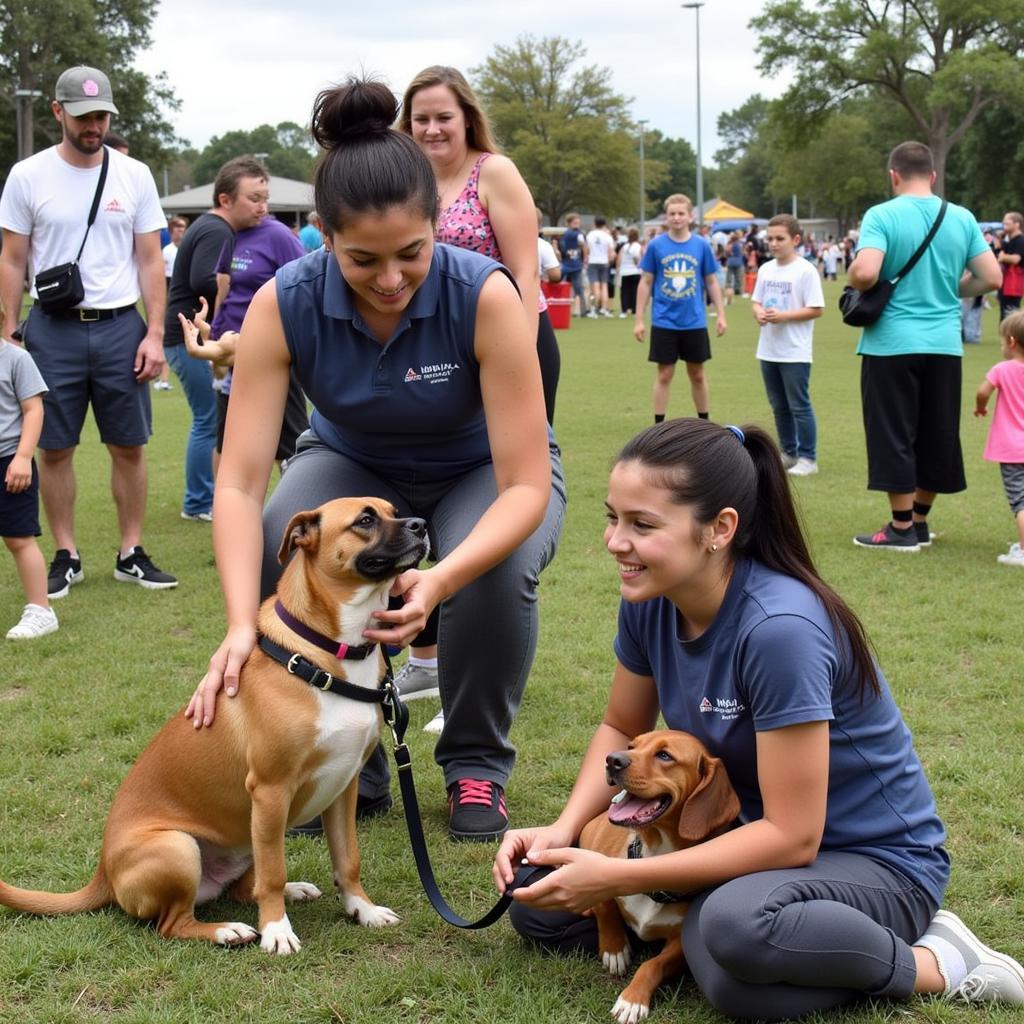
345,727
644,915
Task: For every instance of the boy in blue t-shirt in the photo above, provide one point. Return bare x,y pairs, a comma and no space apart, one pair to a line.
677,269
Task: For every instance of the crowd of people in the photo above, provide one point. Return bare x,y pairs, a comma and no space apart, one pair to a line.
410,316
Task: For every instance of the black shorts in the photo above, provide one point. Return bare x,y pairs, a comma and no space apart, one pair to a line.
911,408
19,513
296,419
670,346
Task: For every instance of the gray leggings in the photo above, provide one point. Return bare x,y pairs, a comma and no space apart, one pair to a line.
780,944
487,632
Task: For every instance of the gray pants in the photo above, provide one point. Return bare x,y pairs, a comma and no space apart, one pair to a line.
780,944
487,632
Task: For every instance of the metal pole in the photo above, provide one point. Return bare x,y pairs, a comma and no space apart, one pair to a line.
696,5
23,118
643,191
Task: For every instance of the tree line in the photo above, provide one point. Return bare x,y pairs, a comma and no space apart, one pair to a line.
867,74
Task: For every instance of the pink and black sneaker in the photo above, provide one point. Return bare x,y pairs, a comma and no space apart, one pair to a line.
477,811
890,539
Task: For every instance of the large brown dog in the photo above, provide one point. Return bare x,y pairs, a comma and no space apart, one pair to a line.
674,795
206,810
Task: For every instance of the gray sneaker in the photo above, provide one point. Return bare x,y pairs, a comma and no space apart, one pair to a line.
415,681
991,977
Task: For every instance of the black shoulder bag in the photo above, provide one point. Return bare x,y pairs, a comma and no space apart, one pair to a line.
862,308
61,288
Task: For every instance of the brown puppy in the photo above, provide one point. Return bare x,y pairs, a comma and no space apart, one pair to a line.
674,794
206,810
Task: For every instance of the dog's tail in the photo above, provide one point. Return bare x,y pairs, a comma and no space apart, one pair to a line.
96,894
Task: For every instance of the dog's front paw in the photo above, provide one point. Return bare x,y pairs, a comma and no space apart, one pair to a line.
234,933
278,937
617,963
626,1012
368,914
300,892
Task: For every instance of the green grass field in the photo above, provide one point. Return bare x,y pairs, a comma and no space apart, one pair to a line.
77,707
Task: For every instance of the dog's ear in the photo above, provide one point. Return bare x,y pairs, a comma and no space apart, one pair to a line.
712,805
303,531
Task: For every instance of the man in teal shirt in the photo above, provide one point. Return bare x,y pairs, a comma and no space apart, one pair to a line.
911,356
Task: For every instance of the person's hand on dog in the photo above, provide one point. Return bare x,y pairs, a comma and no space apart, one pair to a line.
581,881
515,844
223,671
421,593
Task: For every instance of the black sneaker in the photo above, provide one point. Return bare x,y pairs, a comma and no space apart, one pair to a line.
138,568
65,572
477,811
924,535
890,539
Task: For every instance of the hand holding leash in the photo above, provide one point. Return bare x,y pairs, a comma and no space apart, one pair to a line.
517,842
581,880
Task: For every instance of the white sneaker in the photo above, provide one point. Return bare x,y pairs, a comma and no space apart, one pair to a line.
991,977
803,467
415,681
591,314
788,461
606,312
436,724
1015,556
35,621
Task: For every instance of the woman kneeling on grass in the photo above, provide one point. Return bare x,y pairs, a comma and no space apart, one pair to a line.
829,887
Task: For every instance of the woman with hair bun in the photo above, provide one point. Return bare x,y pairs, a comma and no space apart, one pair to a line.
827,888
426,391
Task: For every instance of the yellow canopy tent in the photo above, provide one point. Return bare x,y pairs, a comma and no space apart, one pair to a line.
720,209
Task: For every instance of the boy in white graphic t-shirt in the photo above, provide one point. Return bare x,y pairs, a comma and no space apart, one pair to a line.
787,298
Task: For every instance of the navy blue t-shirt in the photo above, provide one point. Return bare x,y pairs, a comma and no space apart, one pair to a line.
770,660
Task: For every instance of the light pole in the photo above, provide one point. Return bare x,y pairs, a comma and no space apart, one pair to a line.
643,191
24,99
695,6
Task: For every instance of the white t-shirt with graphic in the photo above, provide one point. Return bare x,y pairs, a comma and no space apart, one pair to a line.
48,200
793,285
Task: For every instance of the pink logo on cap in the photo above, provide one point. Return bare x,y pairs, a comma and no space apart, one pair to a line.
90,88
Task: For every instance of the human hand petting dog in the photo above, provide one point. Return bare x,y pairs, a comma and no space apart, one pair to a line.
223,671
421,592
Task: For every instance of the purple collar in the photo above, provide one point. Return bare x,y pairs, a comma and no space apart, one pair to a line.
325,643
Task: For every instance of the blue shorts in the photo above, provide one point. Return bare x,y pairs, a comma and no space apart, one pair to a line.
19,513
597,273
90,363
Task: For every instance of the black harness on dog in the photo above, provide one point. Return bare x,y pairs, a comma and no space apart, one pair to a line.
396,717
636,852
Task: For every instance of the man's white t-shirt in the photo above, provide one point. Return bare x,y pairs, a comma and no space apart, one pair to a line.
546,258
170,252
600,243
794,285
48,200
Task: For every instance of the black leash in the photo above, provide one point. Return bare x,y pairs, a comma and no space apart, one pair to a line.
396,717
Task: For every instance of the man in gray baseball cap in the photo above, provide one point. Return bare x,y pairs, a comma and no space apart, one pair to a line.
97,352
83,90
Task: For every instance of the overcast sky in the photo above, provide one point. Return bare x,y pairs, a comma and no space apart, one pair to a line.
235,64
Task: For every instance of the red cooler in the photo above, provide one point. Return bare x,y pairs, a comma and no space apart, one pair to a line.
559,297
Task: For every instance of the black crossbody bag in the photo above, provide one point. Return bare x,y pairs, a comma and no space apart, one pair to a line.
859,309
61,288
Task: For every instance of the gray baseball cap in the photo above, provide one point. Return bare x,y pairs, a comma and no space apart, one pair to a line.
82,90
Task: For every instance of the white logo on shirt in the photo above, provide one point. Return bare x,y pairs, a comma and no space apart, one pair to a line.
727,708
433,373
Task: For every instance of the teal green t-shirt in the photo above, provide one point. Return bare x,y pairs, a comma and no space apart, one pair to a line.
923,315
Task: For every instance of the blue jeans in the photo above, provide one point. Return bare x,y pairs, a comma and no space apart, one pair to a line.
197,383
788,387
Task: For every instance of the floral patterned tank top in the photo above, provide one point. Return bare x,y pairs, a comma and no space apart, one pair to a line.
465,223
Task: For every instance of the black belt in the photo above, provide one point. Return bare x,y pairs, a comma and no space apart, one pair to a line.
88,316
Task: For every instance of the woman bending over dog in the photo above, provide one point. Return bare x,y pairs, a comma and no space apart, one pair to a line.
829,887
423,375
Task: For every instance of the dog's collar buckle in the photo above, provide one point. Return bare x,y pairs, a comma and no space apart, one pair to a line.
293,664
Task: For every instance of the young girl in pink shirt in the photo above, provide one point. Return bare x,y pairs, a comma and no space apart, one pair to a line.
1006,435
